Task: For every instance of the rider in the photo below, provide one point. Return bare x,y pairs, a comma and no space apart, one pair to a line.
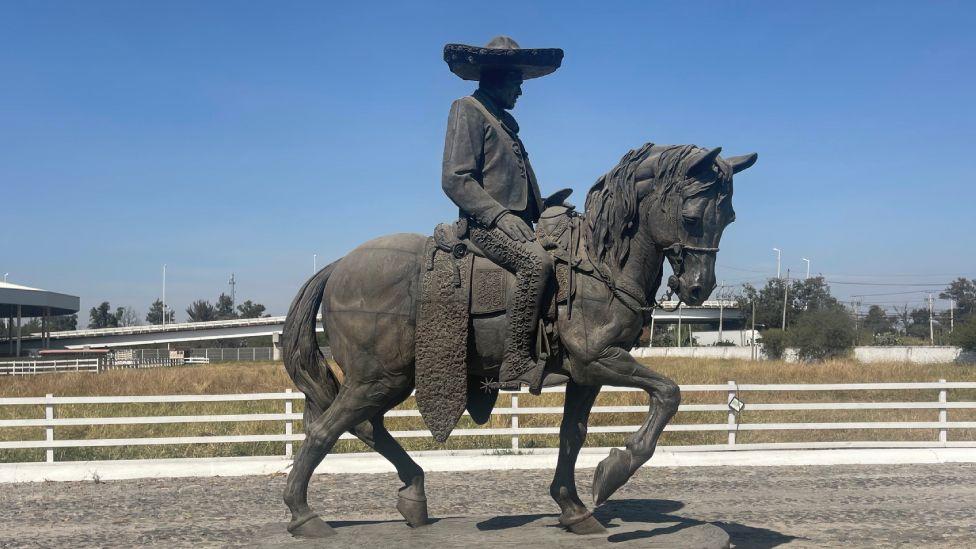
486,172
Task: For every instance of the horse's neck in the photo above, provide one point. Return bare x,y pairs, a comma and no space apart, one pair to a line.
641,269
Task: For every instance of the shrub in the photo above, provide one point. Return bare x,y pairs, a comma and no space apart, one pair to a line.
819,335
964,335
774,343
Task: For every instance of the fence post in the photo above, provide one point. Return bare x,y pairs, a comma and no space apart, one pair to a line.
515,422
288,446
732,423
943,414
49,430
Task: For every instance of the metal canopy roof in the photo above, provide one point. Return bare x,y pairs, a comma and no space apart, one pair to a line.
35,302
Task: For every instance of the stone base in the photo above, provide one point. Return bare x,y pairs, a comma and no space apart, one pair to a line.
503,531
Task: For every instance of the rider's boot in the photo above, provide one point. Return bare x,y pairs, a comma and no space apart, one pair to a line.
518,365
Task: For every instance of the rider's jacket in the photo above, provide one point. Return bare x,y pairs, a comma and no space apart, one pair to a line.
486,170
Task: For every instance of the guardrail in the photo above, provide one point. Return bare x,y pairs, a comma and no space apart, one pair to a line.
31,367
732,426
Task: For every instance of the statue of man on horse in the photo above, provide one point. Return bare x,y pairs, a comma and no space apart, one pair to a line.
456,315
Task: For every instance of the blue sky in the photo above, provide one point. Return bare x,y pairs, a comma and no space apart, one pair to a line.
231,137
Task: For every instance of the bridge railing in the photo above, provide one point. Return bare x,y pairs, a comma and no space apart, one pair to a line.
731,397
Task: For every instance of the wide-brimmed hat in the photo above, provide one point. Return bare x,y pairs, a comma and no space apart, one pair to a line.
501,53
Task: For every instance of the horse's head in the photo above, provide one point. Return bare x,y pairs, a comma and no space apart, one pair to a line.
685,202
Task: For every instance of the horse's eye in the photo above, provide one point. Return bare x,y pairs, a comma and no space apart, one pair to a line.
690,219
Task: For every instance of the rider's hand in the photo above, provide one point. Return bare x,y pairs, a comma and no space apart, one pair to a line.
516,229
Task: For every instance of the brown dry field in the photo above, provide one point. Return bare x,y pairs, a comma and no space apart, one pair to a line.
271,377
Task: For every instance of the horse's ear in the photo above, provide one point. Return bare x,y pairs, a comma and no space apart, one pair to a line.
743,162
704,161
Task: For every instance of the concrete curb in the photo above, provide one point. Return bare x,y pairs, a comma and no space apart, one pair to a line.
470,460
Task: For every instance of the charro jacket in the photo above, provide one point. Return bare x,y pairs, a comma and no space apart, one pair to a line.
486,171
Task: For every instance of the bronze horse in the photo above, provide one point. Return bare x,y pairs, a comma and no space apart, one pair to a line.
660,201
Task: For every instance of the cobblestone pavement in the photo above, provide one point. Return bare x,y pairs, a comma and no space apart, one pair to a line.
854,506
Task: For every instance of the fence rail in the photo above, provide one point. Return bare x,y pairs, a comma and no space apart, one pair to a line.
31,367
732,426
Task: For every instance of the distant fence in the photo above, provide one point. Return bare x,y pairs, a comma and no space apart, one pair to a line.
899,353
31,367
727,395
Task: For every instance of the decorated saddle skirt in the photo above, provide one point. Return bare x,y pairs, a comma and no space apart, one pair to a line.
457,281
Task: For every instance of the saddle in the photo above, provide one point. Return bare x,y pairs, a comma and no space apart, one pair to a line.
458,281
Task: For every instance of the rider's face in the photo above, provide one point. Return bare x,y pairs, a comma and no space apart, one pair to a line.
510,90
507,90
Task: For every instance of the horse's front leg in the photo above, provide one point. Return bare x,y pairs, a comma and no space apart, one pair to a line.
615,366
572,434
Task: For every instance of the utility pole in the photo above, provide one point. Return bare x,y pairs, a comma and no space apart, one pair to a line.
233,288
5,275
808,267
315,263
650,342
856,306
779,256
931,323
721,311
679,324
952,315
753,335
786,293
164,294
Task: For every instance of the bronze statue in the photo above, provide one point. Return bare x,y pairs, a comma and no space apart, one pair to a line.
406,310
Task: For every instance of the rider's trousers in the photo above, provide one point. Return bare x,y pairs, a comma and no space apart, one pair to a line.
533,269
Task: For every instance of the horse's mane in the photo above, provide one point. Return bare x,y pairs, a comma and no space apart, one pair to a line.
612,202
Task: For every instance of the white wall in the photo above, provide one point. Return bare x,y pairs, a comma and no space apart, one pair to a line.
915,355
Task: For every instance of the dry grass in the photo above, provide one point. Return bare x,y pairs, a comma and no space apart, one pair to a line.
271,377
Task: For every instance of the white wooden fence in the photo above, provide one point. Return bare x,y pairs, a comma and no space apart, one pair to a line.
938,390
31,367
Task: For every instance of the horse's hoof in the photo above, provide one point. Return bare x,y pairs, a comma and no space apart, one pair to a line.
585,526
612,473
412,504
311,526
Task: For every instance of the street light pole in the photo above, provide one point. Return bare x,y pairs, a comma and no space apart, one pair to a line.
779,256
164,294
808,266
315,263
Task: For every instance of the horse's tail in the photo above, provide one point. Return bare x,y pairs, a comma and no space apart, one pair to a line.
303,360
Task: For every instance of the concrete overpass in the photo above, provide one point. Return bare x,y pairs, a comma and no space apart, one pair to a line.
155,334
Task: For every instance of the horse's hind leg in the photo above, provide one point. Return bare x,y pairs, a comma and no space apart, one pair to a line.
572,434
411,498
351,407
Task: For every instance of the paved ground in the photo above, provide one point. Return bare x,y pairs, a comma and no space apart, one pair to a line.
853,506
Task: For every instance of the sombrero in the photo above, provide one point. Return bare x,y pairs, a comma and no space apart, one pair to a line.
501,53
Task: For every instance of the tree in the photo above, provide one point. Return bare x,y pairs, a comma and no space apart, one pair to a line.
876,321
225,308
823,334
812,294
126,316
965,335
155,314
774,343
201,310
102,317
919,326
250,310
963,292
63,323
